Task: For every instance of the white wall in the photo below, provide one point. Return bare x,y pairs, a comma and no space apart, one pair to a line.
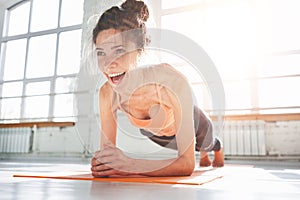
283,138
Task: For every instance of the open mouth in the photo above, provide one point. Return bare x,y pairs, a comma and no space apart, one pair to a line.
116,77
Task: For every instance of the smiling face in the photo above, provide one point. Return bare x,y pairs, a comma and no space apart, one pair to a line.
116,55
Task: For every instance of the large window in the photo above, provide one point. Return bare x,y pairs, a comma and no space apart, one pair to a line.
40,58
254,44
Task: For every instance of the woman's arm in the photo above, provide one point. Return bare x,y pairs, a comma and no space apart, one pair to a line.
108,117
107,121
116,163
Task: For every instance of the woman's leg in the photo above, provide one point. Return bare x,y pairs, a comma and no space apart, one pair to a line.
164,141
205,140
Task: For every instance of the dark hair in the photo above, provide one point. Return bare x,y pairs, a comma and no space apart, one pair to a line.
132,14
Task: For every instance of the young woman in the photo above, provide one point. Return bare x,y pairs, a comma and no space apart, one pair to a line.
157,99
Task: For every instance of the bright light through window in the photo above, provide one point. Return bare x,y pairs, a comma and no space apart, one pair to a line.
181,23
37,107
40,58
44,15
241,38
69,52
279,65
11,108
285,25
14,59
279,92
12,89
63,105
166,4
18,19
38,88
231,40
71,16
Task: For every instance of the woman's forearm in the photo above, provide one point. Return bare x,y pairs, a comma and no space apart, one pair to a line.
180,166
112,161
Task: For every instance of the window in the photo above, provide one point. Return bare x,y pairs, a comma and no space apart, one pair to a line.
40,58
254,44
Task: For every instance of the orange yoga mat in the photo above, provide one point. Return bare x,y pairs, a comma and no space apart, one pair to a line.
197,178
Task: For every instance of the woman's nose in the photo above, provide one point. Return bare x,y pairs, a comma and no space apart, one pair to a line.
110,66
108,62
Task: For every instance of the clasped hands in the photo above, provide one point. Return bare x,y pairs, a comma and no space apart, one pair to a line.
111,161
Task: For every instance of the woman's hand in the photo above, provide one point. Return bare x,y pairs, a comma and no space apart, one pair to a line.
111,161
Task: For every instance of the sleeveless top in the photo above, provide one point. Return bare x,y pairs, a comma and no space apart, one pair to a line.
162,79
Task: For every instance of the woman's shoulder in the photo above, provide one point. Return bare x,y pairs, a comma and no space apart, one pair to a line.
162,69
165,70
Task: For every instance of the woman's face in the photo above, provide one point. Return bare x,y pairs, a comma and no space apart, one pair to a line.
115,55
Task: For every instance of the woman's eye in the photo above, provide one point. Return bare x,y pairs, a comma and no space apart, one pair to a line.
120,51
100,53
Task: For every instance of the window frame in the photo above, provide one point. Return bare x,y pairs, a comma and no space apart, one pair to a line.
4,14
255,107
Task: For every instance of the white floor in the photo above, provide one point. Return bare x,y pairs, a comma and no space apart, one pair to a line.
242,180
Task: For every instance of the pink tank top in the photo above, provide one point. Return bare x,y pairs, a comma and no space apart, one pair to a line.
162,123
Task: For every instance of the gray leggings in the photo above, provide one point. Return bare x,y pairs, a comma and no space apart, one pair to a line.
205,141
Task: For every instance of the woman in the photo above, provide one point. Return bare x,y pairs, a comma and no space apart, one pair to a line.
157,99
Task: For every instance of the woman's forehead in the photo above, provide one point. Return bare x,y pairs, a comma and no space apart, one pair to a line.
109,37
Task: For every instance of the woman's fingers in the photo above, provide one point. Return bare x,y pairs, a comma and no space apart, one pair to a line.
105,157
109,161
101,167
102,156
105,173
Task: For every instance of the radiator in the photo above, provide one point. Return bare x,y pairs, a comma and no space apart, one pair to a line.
244,138
15,140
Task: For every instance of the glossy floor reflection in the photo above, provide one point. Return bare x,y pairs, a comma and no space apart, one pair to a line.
242,180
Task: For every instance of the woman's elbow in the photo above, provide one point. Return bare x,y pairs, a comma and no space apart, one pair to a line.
188,168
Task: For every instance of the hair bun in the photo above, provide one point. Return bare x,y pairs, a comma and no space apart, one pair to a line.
138,7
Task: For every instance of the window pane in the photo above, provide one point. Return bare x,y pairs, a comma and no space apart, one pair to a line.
71,12
41,56
285,31
238,95
177,3
14,59
38,88
64,85
63,105
279,92
18,19
230,40
10,108
178,23
280,65
36,107
13,89
44,15
69,52
181,65
202,96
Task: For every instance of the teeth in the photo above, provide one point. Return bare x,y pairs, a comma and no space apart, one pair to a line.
114,75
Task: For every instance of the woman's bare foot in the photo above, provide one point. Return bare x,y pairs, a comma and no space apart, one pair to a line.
204,160
219,159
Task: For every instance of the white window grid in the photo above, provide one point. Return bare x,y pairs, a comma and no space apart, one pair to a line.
4,39
255,108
